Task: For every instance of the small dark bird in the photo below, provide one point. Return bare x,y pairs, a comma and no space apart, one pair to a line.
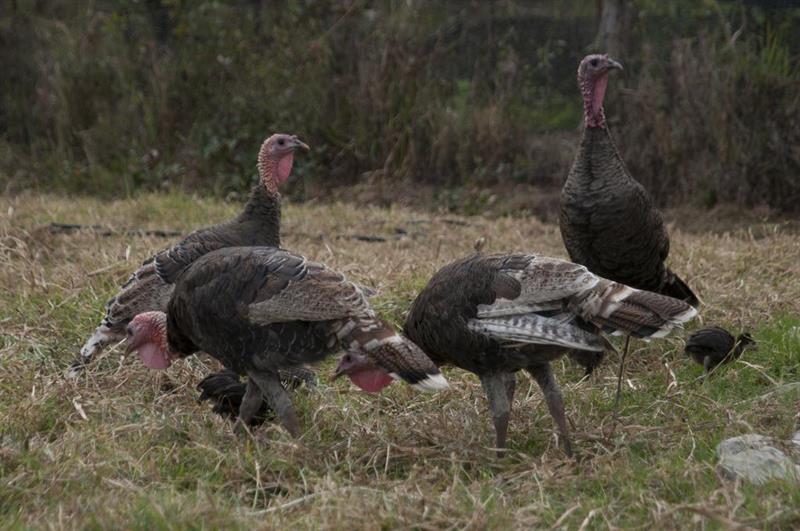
714,346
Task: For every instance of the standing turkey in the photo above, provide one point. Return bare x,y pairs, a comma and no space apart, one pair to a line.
607,219
259,310
258,224
496,314
714,346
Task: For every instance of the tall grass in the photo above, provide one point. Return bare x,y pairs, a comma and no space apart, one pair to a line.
108,97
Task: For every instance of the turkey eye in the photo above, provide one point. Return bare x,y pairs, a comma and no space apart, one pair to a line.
347,358
593,62
281,142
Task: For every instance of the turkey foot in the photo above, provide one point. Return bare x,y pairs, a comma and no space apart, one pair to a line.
498,391
555,402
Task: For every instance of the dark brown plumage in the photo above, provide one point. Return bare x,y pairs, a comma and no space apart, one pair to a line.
496,314
714,346
608,221
259,310
150,287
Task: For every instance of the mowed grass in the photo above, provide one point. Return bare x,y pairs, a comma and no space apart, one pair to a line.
126,447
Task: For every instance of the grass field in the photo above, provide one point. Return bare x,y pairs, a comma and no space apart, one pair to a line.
123,446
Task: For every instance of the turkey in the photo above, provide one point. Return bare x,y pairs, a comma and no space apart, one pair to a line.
149,288
714,346
496,314
259,310
607,219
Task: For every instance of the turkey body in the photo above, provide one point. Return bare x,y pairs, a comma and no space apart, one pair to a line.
496,314
608,221
259,310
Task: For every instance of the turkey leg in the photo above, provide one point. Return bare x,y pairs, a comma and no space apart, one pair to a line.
251,403
619,376
511,386
497,391
278,399
555,402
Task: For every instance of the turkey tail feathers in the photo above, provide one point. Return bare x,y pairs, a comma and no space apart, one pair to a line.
675,287
643,314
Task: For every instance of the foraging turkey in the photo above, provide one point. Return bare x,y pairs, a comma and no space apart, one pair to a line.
608,220
260,309
150,287
496,314
714,346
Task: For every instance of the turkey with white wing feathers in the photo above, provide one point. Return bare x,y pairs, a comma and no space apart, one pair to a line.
496,314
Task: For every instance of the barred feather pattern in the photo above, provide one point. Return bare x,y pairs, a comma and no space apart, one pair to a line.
551,302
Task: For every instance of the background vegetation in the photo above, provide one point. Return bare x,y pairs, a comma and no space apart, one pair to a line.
109,96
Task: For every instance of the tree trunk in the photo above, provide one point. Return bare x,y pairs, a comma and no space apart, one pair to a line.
611,28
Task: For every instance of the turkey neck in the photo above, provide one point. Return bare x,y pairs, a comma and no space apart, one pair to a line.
264,210
598,159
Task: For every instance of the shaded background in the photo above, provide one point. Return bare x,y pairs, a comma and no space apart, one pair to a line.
400,99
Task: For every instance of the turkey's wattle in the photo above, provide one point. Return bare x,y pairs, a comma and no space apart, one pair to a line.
363,372
284,168
371,380
153,357
147,334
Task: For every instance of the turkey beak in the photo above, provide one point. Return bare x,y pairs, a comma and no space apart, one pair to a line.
337,373
300,144
612,64
129,347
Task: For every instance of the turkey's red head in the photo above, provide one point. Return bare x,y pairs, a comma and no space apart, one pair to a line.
147,334
275,159
593,80
363,372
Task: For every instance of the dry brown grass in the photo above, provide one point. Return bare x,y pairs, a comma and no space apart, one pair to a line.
127,447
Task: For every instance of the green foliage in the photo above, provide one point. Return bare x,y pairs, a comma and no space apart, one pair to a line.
115,96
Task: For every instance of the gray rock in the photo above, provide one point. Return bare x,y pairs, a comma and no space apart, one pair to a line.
756,459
